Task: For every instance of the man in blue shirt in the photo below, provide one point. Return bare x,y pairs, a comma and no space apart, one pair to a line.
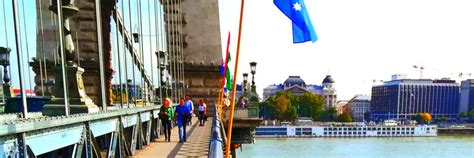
189,103
182,113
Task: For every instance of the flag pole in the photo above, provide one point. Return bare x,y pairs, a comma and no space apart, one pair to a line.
234,90
221,89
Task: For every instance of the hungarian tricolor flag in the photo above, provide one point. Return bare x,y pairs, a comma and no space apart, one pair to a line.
226,71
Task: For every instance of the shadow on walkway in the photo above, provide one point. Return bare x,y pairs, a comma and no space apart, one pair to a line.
197,144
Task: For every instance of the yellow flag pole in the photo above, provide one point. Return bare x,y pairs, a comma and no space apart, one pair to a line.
234,89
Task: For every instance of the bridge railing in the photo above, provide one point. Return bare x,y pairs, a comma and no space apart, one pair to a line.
86,84
216,142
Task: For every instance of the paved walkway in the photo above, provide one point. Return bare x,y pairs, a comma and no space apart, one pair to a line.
196,146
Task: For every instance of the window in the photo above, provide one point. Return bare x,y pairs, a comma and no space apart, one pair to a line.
325,133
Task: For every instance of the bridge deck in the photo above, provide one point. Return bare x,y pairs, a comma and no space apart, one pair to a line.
196,146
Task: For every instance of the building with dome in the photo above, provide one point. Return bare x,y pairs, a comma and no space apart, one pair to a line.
297,86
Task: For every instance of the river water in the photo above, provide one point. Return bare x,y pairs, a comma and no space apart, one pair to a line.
379,147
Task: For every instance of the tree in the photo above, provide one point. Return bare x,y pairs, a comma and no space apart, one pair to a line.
344,117
329,114
426,117
267,110
463,114
310,105
423,117
284,109
470,113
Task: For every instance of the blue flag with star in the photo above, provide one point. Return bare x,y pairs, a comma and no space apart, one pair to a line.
303,30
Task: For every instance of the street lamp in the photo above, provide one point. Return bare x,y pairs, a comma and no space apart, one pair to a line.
5,62
246,78
163,64
253,68
135,37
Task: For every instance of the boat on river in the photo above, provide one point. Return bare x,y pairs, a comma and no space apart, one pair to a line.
347,130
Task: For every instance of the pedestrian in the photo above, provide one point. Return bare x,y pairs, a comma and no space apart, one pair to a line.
202,112
189,103
182,113
166,116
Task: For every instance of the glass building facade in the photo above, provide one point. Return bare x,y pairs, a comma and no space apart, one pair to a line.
404,99
467,95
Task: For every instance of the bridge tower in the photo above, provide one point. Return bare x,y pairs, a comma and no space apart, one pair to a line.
201,47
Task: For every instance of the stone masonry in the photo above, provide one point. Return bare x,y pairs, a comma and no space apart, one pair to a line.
202,46
83,27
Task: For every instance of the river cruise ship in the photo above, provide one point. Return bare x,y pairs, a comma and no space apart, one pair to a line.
347,130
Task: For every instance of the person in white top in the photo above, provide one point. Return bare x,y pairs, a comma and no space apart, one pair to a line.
202,112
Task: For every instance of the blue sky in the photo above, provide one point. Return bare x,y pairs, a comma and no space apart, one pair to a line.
29,36
359,41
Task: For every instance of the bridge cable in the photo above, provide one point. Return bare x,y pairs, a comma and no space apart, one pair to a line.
173,38
140,47
125,54
181,47
6,36
118,54
53,24
26,42
178,33
134,57
41,45
168,50
5,22
157,41
151,54
16,24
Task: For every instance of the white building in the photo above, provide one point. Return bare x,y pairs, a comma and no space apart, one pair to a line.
297,86
358,106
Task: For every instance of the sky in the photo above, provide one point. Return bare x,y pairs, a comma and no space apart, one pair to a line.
359,41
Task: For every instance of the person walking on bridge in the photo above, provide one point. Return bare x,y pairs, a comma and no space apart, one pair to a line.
166,115
189,103
202,112
183,113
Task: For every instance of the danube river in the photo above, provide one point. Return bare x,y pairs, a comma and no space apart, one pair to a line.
391,147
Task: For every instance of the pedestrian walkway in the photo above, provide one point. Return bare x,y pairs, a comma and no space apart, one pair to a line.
197,144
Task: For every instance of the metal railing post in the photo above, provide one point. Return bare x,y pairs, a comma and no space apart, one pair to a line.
18,54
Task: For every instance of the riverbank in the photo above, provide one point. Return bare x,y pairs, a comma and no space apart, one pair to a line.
463,131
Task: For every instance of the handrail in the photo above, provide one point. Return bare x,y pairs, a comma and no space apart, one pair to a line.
215,143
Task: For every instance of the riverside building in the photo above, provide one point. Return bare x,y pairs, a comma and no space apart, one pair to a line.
297,86
405,98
